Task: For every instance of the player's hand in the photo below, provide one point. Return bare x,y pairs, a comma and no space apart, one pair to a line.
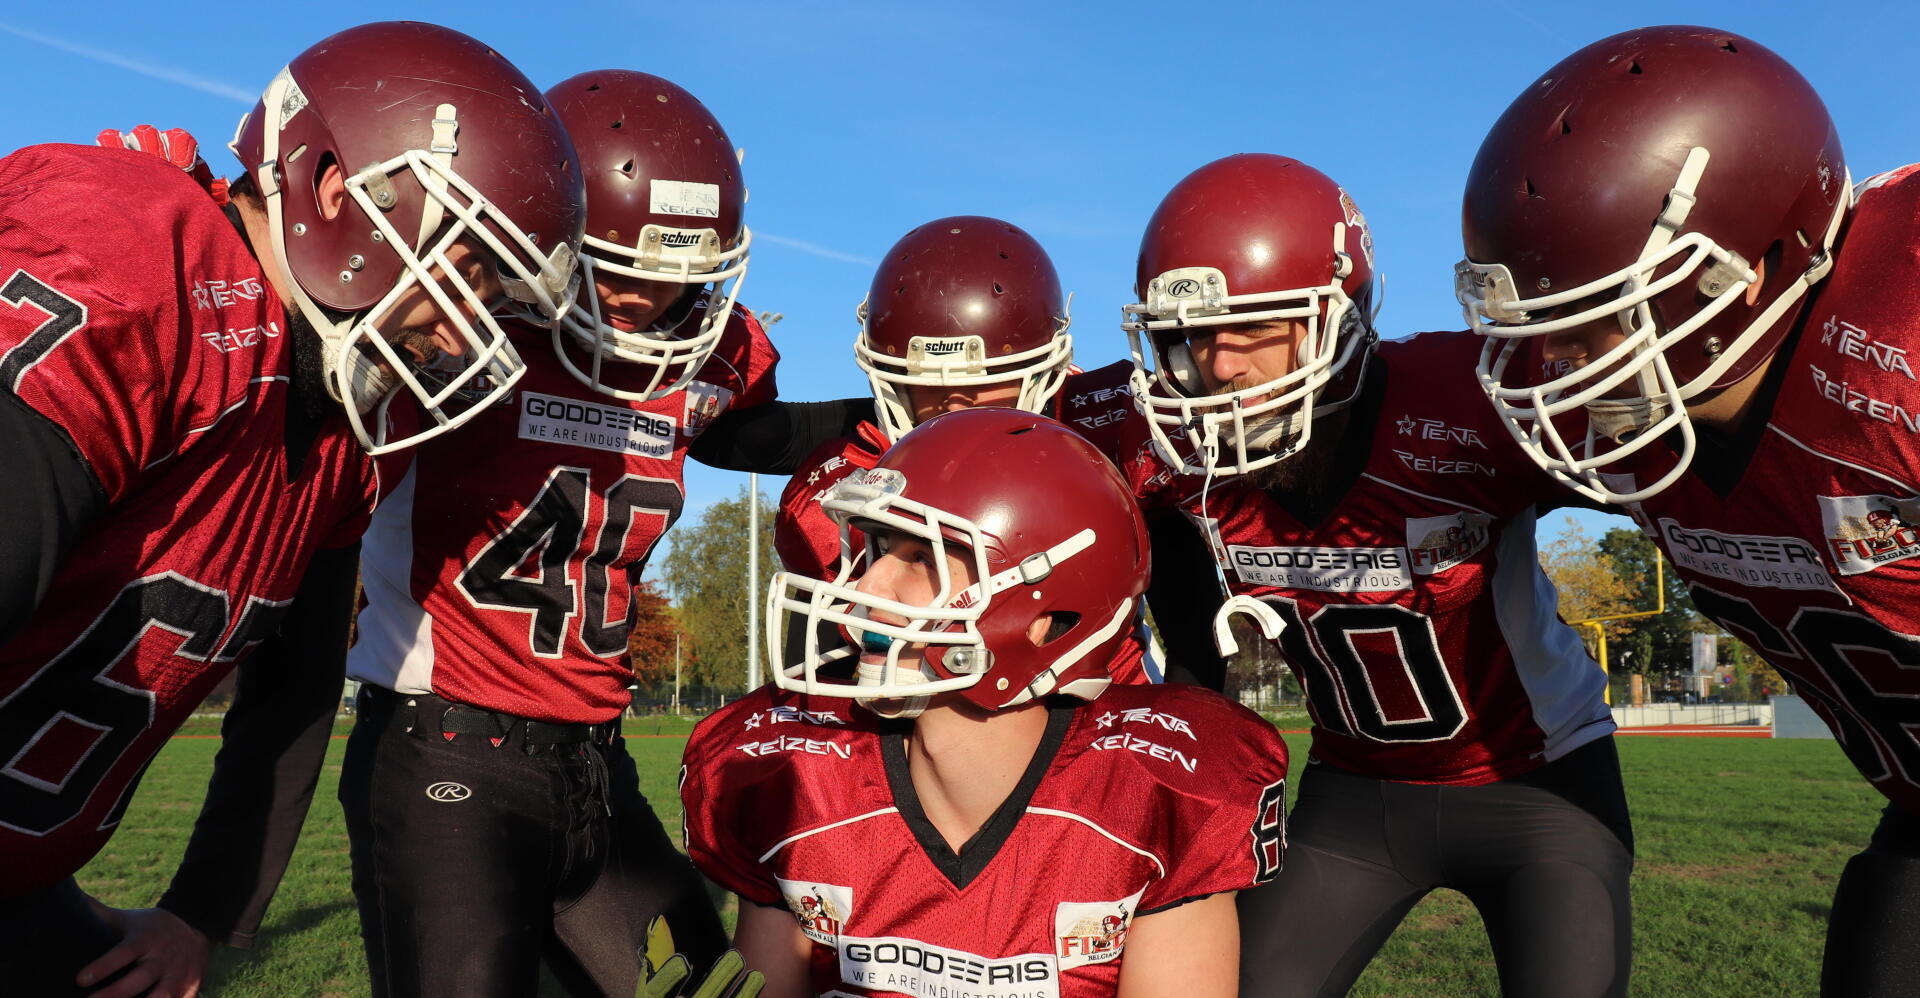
175,146
663,971
163,956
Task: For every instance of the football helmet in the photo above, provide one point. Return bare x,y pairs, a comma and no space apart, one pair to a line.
963,302
440,139
665,203
1682,182
1051,530
1249,238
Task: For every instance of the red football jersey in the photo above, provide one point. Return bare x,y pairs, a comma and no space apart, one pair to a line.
1813,556
499,572
1136,802
1098,403
133,316
1418,621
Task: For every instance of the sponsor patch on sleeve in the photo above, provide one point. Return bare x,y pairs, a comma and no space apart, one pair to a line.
1092,931
821,909
1866,532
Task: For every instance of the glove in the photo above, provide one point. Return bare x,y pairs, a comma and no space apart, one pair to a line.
173,145
662,971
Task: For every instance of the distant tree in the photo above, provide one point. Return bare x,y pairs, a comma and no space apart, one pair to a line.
1588,582
650,645
1259,664
706,570
1659,644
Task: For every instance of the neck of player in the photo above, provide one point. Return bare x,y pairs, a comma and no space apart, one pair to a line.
965,762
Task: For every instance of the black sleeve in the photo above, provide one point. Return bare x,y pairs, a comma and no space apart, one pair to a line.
272,744
1184,594
47,497
772,439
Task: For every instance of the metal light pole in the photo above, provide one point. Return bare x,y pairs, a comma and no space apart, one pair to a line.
753,580
676,673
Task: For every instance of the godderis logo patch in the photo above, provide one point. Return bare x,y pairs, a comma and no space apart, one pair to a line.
912,967
1749,559
821,909
1866,532
1093,931
1334,570
592,424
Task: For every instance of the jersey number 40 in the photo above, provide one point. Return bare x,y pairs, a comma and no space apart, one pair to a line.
532,566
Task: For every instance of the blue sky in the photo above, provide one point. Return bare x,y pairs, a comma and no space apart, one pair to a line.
861,120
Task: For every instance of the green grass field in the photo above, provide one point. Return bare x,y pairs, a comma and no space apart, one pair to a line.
1740,843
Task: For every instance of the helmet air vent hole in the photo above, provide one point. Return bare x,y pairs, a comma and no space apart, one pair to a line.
1019,430
591,87
627,168
997,289
1531,191
617,123
1727,44
1003,256
1633,67
1565,128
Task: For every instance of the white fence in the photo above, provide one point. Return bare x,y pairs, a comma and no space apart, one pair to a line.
1656,715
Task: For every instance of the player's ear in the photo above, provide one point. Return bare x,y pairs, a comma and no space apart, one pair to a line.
330,189
1037,630
1049,626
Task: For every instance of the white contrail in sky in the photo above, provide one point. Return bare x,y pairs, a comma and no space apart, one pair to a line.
816,250
169,74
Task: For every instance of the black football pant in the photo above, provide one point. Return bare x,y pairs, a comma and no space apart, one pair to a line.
480,852
1873,932
1545,857
46,937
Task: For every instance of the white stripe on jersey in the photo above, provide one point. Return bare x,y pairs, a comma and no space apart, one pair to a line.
791,839
394,648
1090,823
1563,683
1829,457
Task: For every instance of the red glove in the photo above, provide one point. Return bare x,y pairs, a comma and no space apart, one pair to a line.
173,145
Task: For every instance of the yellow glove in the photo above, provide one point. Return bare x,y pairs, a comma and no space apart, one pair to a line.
663,971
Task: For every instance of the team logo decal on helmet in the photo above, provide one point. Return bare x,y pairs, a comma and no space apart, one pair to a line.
1083,572
963,302
460,154
1249,239
666,222
1680,183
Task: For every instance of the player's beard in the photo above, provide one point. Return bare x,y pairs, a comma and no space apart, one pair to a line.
1305,474
308,380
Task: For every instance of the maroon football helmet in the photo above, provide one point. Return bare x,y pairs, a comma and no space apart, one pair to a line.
665,204
1049,527
1683,182
440,139
1249,238
963,302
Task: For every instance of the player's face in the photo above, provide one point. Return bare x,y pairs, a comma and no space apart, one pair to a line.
1574,349
418,324
1243,355
928,401
630,304
905,570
